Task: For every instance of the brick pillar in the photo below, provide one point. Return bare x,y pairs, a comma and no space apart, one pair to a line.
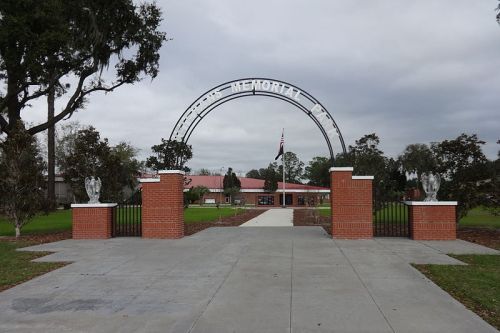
432,220
163,205
351,202
92,221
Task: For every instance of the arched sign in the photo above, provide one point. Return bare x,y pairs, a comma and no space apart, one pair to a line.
287,92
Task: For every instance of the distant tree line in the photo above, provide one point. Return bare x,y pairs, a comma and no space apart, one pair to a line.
467,175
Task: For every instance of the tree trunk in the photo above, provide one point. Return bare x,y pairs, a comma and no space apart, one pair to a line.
18,231
13,109
51,156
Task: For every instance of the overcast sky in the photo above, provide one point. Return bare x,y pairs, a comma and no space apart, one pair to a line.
410,71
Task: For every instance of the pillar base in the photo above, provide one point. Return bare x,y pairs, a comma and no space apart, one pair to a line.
92,221
432,220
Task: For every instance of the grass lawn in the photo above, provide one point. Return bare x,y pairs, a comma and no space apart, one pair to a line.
480,217
15,267
477,285
325,211
392,213
199,214
61,220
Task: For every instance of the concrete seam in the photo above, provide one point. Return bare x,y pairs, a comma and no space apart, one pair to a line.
431,247
396,253
366,288
213,296
439,251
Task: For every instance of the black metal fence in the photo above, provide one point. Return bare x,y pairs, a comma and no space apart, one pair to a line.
127,217
390,219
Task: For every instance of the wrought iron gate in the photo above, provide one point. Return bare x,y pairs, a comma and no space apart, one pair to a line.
390,219
127,217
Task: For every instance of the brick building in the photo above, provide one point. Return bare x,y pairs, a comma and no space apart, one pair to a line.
252,192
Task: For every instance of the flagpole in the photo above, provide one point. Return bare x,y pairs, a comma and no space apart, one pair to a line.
283,167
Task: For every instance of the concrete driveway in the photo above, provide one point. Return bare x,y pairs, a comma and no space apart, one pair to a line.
240,280
274,217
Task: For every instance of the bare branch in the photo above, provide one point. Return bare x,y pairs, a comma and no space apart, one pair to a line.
72,104
41,92
67,110
106,89
3,124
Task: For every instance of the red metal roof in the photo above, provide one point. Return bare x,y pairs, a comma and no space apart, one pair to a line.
215,182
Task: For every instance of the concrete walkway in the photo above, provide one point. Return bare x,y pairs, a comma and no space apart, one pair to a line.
274,217
240,280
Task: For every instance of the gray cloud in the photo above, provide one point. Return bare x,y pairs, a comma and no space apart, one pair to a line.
411,72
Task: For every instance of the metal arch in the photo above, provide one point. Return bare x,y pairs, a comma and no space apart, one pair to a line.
262,93
199,100
208,109
212,104
230,98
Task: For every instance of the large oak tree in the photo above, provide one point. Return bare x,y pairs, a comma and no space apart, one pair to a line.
94,45
45,42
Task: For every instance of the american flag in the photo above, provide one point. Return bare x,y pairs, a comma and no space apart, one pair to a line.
282,143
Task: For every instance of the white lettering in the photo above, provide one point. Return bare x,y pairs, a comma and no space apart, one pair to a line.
320,116
204,102
331,132
275,87
289,92
282,88
316,108
266,85
245,86
211,98
255,85
296,97
235,87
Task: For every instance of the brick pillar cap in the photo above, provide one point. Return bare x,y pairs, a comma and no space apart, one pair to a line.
363,177
341,169
94,205
149,180
431,203
163,172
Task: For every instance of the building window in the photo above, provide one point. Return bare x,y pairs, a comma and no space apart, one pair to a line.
301,200
266,200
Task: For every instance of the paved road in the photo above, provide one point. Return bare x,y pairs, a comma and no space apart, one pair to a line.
274,217
240,280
